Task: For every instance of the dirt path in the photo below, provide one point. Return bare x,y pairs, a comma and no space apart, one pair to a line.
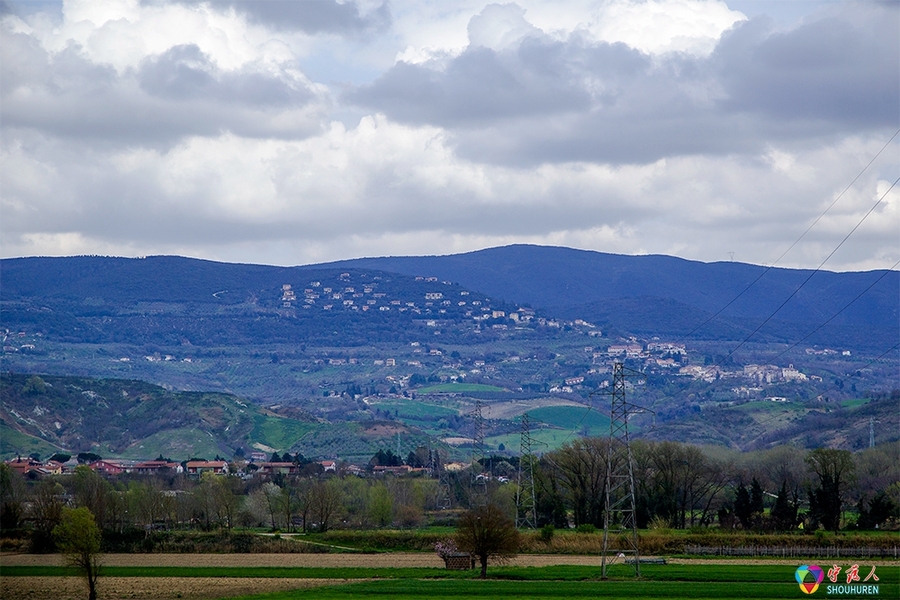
385,560
393,559
150,588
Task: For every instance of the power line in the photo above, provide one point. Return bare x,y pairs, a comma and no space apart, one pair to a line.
817,269
797,241
832,317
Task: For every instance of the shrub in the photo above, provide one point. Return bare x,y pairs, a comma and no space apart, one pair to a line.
546,534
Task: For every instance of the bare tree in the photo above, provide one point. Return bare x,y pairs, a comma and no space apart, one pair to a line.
272,494
581,469
325,503
46,511
488,533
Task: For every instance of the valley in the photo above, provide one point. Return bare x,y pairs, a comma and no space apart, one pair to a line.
317,359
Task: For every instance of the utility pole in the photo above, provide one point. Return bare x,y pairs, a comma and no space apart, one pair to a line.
619,515
526,503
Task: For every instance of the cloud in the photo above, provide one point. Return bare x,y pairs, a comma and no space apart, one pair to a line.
176,94
536,99
242,132
318,16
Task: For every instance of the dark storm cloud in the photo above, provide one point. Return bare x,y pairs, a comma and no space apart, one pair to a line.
832,70
176,94
309,16
547,101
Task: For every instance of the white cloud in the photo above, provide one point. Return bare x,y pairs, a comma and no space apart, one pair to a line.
659,26
670,126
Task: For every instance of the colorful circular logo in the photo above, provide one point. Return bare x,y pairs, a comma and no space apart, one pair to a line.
809,577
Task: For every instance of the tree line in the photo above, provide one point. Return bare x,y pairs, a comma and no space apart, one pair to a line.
677,486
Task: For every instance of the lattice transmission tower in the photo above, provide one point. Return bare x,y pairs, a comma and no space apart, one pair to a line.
479,456
619,516
436,464
526,502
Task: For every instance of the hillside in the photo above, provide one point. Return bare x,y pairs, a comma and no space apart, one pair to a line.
173,299
181,301
639,294
352,354
134,419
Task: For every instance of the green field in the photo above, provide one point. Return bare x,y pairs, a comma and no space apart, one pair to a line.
187,441
411,409
855,402
736,580
277,432
572,418
13,442
458,388
553,426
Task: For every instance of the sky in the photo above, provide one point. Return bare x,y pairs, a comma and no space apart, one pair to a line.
297,132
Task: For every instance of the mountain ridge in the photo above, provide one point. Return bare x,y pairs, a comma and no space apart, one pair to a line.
624,294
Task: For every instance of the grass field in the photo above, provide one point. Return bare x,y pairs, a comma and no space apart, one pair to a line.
551,582
567,423
13,442
410,409
458,388
187,441
278,433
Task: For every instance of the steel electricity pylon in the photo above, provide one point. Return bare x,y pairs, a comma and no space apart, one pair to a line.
479,456
619,515
526,502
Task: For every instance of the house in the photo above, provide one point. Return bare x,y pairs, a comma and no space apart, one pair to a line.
106,467
399,470
23,466
149,467
329,465
276,468
198,467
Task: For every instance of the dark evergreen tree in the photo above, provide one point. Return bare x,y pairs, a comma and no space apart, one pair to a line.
784,512
756,498
879,510
742,507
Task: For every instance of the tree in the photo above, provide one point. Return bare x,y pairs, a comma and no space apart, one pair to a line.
580,466
784,512
487,532
272,495
92,492
78,539
12,498
835,470
742,507
325,501
46,512
879,509
381,505
748,505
